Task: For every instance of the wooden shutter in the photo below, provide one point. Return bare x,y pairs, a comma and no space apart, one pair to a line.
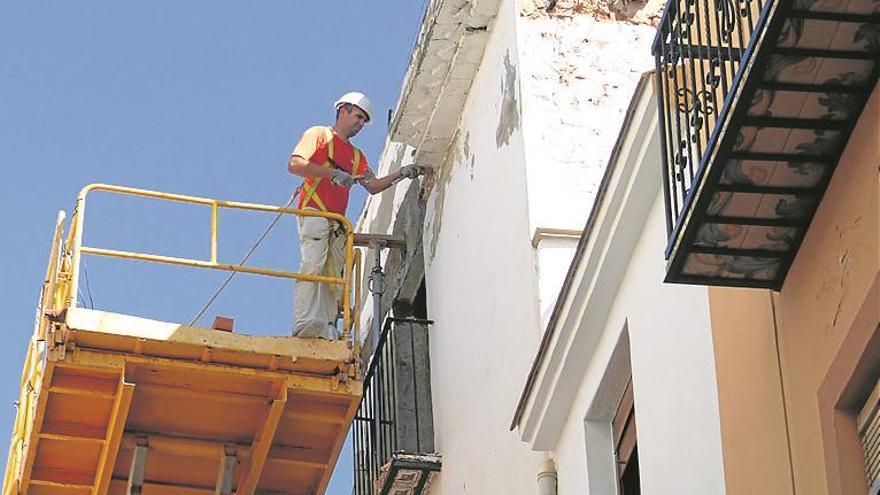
623,428
869,434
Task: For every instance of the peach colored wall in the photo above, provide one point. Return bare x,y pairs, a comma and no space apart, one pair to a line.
828,286
749,398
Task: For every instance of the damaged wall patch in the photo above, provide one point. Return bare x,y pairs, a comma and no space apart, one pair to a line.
509,115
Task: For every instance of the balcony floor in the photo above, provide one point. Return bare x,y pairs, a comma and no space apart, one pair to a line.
801,98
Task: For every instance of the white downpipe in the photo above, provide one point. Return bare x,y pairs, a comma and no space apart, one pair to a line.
547,478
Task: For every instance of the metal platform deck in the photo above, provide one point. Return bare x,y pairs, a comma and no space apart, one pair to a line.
130,405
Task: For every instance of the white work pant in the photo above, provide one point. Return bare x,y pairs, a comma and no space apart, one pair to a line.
316,304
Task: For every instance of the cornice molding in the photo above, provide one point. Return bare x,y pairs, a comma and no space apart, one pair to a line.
442,67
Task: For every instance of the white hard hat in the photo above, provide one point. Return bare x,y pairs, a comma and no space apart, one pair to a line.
359,100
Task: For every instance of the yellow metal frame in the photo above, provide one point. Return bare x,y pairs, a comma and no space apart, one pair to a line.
77,249
59,293
50,298
34,378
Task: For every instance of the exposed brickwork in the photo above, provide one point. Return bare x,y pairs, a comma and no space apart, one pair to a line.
632,11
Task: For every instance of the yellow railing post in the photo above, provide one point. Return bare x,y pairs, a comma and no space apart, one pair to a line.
214,214
354,330
76,231
346,292
47,297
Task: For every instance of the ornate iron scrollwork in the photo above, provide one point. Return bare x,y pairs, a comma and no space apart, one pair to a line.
713,78
727,9
695,104
731,11
681,161
687,19
698,54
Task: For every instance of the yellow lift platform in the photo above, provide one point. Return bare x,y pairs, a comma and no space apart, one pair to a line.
117,404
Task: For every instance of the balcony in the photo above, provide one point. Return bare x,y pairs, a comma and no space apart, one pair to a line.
393,431
757,99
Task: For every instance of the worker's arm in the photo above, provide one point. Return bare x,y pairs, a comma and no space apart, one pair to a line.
375,185
300,164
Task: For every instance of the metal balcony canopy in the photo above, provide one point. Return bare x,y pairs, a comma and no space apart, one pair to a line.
757,102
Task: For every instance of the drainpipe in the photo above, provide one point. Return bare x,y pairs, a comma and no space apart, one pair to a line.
547,478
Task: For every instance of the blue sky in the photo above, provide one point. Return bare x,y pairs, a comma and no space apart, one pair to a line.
202,98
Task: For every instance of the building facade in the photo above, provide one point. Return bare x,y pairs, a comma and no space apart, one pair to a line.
584,327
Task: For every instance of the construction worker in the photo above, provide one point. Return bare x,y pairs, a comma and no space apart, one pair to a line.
330,165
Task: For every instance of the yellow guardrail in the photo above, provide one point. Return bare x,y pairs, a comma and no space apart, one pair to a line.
60,289
31,381
76,248
51,297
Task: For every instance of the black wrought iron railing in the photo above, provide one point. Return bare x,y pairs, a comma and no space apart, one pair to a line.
391,388
700,50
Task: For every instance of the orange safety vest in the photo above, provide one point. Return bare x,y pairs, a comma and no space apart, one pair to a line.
310,183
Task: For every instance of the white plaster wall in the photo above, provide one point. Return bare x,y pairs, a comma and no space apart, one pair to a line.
673,370
578,75
554,258
535,135
481,285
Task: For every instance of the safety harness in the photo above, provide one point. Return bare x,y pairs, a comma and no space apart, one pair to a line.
311,183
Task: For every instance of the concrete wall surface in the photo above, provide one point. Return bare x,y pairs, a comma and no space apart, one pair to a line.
794,366
536,130
379,217
672,363
749,392
617,320
578,76
481,284
578,73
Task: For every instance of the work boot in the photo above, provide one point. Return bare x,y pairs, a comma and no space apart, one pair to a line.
309,329
331,333
316,329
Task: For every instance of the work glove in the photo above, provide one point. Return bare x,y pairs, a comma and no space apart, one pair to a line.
410,171
342,178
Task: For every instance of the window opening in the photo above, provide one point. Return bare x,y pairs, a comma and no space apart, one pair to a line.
623,428
869,435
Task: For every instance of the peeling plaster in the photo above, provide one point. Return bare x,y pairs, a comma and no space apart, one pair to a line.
466,157
382,221
442,67
833,288
577,76
509,115
461,147
405,268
